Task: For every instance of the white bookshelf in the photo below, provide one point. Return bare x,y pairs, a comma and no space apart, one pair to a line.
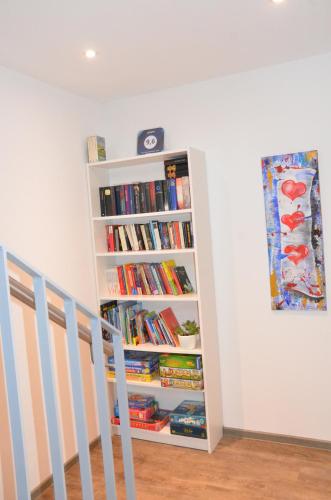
199,305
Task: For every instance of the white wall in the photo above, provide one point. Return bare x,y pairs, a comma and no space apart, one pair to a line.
276,367
44,219
43,202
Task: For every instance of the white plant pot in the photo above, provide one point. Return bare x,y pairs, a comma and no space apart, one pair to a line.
187,341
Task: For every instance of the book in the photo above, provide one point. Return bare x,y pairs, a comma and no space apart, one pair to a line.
96,148
159,200
177,167
186,192
183,279
181,360
179,191
106,313
176,383
102,201
110,238
169,319
172,194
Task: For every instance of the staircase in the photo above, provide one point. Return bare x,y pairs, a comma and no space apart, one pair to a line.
36,298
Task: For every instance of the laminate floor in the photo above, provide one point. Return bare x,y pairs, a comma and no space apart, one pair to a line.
239,469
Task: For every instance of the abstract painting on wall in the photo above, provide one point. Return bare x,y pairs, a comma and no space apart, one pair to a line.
294,231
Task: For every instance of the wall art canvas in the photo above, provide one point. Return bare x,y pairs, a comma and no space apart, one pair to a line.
294,231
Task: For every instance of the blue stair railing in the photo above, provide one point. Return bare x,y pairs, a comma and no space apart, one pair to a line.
45,312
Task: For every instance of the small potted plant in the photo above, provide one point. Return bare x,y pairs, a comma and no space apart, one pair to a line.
187,334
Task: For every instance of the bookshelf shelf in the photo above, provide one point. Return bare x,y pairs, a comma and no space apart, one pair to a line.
164,436
148,347
197,261
169,214
156,384
142,253
138,160
188,297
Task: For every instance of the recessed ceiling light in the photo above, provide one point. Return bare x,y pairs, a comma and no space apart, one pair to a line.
277,1
90,53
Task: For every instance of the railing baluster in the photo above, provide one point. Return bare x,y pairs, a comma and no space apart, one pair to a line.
49,388
122,395
78,399
15,413
103,409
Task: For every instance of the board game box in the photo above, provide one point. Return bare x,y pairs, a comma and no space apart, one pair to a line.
177,383
181,361
183,373
190,413
155,423
188,430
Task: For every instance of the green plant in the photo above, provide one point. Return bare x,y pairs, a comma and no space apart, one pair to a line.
188,328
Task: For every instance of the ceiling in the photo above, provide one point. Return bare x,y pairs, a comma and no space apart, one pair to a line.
145,45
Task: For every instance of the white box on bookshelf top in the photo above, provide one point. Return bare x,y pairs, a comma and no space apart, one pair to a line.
198,263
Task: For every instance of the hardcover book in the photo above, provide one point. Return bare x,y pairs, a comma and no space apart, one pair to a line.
96,148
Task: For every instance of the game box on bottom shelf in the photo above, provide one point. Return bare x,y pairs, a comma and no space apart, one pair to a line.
177,383
155,423
191,413
188,430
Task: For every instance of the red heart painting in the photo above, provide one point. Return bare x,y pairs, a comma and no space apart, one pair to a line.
296,254
293,220
293,189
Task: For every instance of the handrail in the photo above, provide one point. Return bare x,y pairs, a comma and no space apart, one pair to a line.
26,295
36,298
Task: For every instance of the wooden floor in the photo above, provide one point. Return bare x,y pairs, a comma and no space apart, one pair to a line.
239,469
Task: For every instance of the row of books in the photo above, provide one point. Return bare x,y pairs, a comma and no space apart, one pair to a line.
160,278
139,366
151,236
140,326
144,413
181,371
145,197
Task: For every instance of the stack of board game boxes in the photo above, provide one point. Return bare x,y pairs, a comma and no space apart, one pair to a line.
189,419
139,366
144,413
181,371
